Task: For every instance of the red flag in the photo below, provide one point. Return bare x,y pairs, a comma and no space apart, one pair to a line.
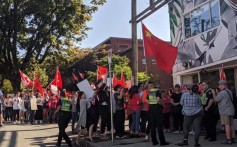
37,84
222,73
57,80
74,77
115,81
82,75
101,72
25,80
164,53
122,80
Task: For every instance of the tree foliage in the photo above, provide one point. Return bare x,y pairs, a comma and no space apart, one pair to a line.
34,29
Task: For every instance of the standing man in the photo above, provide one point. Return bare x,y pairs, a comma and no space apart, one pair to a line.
64,107
192,111
210,118
226,110
155,110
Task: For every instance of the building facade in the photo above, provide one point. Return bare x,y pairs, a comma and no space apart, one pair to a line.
205,32
123,47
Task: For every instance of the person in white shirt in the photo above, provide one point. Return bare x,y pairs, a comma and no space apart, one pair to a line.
8,108
16,107
39,111
1,107
22,109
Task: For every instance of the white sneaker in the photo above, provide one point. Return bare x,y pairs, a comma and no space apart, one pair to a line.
191,133
147,137
14,122
176,132
41,121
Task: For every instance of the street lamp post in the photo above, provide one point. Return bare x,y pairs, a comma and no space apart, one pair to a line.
110,90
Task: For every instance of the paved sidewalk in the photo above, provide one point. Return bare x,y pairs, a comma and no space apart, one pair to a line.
46,136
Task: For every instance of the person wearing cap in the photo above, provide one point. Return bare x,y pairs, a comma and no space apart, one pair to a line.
155,110
226,110
192,111
64,107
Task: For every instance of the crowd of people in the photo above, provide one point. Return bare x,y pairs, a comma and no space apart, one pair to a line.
187,110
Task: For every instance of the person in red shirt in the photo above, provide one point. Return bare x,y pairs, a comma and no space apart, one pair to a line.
165,101
52,104
136,110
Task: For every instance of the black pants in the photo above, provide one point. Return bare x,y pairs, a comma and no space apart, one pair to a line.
166,121
210,122
196,121
8,113
178,120
32,116
16,115
156,123
120,119
39,113
63,120
145,119
105,118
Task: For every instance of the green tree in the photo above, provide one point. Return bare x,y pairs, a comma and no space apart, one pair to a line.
33,29
142,77
7,86
119,65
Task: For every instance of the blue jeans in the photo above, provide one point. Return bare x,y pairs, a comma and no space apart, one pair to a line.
135,120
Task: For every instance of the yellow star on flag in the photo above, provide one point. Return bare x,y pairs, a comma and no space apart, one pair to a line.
148,34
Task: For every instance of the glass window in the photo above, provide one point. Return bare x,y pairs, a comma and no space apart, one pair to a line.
143,61
200,19
153,61
215,16
187,28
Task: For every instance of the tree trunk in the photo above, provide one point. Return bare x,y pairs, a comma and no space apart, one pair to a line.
16,83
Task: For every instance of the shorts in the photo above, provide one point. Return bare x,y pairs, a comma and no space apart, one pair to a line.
226,119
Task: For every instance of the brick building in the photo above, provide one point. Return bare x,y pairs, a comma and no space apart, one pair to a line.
123,47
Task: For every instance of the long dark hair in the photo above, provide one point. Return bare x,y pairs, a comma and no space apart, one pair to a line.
80,93
133,90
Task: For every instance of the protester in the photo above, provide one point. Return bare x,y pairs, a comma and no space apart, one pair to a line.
177,110
104,109
136,110
8,110
22,109
120,112
16,107
74,111
226,110
165,101
39,111
192,111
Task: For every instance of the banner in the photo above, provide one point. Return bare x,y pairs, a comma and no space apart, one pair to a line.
86,88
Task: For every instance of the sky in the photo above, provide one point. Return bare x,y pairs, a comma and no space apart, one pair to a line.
112,20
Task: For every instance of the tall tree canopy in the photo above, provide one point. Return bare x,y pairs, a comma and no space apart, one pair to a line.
32,29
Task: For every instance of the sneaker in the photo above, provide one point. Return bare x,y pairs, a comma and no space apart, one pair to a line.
41,122
181,132
147,137
233,140
191,133
226,142
176,132
14,122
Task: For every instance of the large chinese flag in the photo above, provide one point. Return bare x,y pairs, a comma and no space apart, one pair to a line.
222,73
164,53
25,80
37,84
101,72
57,80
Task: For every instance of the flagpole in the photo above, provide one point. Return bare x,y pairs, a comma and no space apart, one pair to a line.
33,83
144,51
110,90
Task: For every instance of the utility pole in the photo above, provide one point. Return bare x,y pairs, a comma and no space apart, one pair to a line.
134,43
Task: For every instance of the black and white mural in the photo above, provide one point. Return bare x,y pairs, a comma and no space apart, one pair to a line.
204,38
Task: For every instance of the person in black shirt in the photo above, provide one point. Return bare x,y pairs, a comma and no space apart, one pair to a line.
64,107
210,118
178,117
